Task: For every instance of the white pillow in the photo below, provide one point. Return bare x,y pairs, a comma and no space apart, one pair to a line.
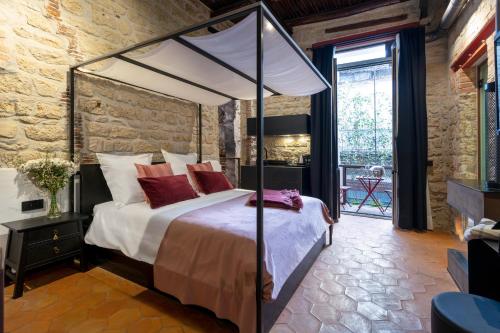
121,176
215,165
178,161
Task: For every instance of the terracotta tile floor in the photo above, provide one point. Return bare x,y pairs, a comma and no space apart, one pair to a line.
373,279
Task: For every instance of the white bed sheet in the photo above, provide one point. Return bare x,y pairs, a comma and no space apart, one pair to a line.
137,230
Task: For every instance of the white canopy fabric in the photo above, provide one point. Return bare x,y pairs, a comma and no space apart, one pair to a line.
284,70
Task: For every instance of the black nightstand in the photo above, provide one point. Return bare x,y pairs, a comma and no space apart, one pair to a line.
39,241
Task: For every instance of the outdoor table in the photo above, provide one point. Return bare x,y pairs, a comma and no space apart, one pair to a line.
370,184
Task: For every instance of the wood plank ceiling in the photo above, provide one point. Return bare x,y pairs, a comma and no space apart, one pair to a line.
297,12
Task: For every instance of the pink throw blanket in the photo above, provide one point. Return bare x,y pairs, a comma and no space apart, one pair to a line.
287,199
207,256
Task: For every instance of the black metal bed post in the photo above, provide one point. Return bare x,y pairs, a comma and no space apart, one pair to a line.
260,166
71,86
200,138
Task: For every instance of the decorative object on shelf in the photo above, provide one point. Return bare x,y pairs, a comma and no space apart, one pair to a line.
49,174
377,171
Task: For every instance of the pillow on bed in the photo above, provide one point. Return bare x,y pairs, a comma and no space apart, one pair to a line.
215,165
162,191
212,181
207,166
178,161
121,176
157,170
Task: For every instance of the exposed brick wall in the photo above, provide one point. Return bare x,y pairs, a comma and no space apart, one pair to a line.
39,39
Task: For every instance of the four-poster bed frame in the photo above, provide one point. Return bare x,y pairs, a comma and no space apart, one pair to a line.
93,188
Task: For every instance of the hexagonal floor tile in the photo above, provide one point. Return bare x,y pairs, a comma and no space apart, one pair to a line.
405,319
385,279
385,326
371,286
395,273
360,273
332,287
342,303
387,302
372,311
403,294
315,295
347,280
304,322
327,314
372,268
384,263
323,274
299,304
355,322
358,294
334,328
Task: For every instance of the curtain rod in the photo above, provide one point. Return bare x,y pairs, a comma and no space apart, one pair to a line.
365,36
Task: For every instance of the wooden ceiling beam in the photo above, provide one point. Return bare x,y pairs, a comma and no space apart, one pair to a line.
232,6
365,24
342,12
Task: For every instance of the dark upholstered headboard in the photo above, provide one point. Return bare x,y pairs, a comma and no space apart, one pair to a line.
93,188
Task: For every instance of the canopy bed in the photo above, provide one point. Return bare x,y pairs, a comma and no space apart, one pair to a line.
253,59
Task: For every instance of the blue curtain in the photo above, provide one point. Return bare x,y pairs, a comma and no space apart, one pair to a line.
411,141
324,161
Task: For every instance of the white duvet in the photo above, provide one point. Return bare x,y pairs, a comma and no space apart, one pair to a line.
137,230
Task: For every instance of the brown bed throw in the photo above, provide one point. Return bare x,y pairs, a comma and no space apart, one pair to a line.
207,257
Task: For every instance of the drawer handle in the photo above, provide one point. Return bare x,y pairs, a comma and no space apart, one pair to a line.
56,234
56,250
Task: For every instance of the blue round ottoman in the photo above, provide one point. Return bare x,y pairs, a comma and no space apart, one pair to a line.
454,312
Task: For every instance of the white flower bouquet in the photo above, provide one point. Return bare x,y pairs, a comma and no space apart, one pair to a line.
51,175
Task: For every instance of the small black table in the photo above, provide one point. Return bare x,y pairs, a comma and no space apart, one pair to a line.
40,241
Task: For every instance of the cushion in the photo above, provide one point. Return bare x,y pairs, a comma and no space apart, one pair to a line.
162,191
207,166
215,165
458,312
157,170
212,181
178,161
121,176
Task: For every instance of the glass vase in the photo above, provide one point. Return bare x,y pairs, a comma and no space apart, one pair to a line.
54,211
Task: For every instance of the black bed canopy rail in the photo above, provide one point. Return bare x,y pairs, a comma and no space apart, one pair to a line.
172,76
178,37
195,27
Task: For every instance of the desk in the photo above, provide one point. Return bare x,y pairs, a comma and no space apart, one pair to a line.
370,184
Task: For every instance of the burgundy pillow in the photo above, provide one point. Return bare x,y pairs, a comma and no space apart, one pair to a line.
166,190
212,181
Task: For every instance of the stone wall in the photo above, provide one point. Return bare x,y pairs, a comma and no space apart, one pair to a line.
463,84
117,118
39,39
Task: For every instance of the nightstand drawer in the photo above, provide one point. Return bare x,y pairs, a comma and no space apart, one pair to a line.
51,250
53,233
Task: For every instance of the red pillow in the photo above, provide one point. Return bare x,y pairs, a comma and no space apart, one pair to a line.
156,170
192,168
212,181
162,191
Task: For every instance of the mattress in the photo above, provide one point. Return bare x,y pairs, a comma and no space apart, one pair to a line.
137,230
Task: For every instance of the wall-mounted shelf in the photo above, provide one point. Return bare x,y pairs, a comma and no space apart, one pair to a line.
282,125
